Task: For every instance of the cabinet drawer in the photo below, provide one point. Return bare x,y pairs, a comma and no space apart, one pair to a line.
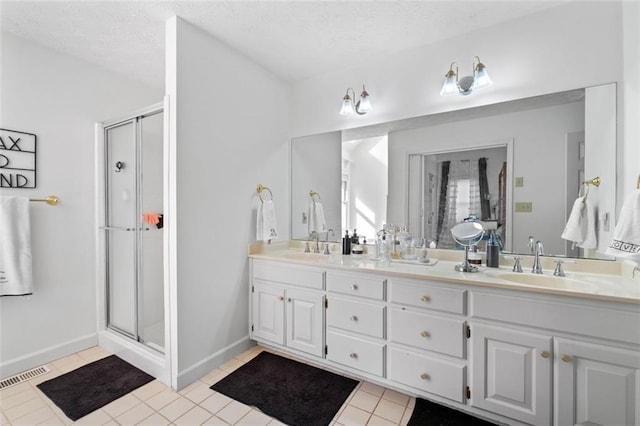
430,332
428,296
355,316
427,374
288,274
355,353
356,285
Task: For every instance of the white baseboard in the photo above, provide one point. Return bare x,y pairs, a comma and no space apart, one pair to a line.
201,368
35,359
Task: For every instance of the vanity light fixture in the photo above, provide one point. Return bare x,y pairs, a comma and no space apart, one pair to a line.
362,107
465,85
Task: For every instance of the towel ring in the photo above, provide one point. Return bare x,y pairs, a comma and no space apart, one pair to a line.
595,182
638,183
313,193
261,188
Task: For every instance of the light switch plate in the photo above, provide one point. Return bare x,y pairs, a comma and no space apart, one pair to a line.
519,181
524,207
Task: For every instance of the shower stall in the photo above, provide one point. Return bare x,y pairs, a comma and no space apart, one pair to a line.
131,236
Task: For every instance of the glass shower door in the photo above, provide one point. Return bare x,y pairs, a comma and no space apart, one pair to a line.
121,227
134,228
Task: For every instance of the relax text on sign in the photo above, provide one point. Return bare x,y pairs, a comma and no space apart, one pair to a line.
17,159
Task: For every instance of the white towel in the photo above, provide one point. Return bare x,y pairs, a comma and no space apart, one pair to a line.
581,225
16,277
266,228
316,217
626,236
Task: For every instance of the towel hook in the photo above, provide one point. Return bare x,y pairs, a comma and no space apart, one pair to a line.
638,183
261,188
313,193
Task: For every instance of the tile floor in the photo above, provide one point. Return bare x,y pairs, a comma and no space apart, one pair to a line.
156,404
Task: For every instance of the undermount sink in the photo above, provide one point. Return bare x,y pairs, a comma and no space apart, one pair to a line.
307,256
549,281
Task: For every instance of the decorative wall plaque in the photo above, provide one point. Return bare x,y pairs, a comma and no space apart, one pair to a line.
17,159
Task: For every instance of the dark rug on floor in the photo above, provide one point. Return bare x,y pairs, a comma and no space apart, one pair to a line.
292,392
83,390
428,413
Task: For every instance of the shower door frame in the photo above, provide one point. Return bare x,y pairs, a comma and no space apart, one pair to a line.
102,207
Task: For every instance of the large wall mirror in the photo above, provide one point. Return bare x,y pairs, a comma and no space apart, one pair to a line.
518,166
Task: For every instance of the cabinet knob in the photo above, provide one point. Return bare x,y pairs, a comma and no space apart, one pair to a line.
425,298
281,298
424,333
353,355
544,354
424,376
354,287
353,318
565,358
289,299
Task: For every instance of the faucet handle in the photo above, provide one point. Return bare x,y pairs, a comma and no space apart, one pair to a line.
559,272
306,247
516,265
326,248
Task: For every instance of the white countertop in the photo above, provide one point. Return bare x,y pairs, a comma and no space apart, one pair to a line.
616,285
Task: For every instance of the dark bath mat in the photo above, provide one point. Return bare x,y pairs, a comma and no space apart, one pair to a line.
85,389
292,392
428,413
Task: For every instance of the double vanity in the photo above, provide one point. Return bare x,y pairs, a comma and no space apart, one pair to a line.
514,348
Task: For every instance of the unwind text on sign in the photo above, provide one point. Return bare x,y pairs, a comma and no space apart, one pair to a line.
17,159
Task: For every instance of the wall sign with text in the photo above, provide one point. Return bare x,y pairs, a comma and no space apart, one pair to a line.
17,159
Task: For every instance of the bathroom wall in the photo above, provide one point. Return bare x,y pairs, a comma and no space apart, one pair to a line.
629,154
229,132
575,45
59,98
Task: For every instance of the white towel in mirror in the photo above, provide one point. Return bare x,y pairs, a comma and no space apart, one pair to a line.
626,236
266,228
16,276
316,217
581,225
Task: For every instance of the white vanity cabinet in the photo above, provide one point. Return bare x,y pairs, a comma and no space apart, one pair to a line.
285,309
516,355
512,372
596,384
427,337
543,359
356,321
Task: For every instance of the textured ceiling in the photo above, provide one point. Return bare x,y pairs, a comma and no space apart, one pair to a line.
294,39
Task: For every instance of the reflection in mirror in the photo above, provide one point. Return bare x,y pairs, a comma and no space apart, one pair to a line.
364,185
558,140
447,188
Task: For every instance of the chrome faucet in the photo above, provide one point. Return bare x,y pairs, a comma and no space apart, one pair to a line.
317,248
538,251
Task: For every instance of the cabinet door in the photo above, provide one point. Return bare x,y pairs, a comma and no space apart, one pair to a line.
268,313
511,373
596,385
305,321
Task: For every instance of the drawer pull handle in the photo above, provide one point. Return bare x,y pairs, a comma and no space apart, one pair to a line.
566,358
353,318
354,287
424,376
424,333
544,354
280,298
353,355
425,298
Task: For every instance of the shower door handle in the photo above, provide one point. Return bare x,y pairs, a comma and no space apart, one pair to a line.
116,228
119,228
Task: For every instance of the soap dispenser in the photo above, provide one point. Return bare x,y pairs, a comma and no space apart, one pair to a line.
346,243
493,251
